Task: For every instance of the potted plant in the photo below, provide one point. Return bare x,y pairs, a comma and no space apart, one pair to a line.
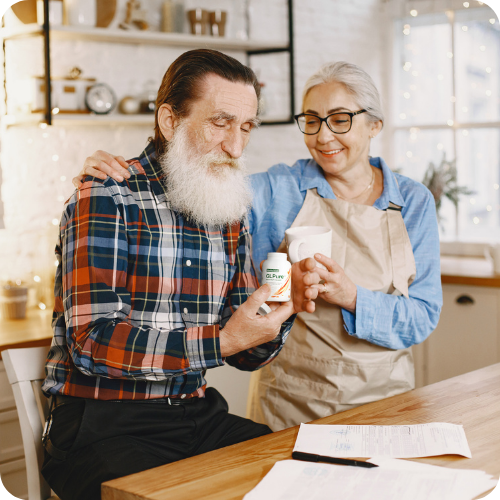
442,181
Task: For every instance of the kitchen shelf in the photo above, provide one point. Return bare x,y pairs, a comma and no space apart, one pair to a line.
141,37
68,119
137,37
79,119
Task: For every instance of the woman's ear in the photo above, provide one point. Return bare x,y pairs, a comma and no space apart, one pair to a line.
376,127
167,121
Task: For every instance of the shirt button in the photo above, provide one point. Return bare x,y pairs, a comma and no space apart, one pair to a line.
188,262
185,310
183,396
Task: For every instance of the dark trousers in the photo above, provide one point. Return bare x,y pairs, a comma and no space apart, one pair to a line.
106,440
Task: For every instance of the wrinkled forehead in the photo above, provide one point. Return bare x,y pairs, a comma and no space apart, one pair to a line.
235,98
242,102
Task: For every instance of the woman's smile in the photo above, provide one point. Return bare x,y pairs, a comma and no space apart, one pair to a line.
331,152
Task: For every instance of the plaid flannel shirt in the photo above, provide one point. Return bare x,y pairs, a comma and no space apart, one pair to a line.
142,293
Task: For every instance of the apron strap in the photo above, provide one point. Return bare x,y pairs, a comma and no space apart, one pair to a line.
398,254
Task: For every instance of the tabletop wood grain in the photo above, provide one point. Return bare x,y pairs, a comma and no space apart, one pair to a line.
472,400
33,331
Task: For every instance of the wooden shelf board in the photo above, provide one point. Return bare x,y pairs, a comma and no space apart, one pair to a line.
79,119
142,37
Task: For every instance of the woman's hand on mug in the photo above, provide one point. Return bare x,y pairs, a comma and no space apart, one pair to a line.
102,164
337,288
305,279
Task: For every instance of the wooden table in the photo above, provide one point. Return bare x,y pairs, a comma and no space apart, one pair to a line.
33,331
472,400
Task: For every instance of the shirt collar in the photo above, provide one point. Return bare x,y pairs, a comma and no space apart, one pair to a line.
313,177
154,172
391,192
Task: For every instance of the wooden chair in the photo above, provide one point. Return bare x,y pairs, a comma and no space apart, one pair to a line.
25,371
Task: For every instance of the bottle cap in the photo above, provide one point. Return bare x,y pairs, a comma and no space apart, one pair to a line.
277,255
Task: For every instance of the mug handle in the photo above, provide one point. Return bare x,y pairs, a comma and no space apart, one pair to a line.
293,249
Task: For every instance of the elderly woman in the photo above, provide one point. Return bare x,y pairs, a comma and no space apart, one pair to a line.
382,286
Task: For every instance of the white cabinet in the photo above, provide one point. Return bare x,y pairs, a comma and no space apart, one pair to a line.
466,338
12,466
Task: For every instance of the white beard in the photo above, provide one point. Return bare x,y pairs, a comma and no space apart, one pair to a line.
210,189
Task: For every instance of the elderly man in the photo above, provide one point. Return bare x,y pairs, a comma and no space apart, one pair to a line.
155,285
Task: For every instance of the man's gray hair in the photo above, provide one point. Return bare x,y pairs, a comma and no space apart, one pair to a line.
357,82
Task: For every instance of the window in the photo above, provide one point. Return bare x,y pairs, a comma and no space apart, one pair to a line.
446,104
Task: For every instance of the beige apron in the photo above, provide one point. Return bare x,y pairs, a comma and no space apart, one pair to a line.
321,369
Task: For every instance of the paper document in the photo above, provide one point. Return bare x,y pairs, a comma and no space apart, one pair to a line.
392,480
396,441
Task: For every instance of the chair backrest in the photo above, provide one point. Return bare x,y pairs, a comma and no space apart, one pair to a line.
25,371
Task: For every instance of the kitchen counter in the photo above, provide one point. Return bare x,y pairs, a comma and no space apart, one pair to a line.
474,271
33,331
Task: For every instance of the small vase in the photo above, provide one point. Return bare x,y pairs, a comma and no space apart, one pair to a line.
80,12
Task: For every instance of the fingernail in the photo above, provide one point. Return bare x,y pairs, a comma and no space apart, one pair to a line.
119,178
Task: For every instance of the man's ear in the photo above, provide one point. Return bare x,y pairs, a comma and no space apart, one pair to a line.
167,121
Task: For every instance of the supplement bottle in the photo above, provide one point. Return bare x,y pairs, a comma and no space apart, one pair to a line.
277,273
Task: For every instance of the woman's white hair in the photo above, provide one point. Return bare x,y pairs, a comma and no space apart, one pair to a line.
357,82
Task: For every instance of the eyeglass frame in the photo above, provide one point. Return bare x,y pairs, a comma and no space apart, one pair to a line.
321,120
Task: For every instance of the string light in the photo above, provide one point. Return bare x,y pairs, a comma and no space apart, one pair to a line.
407,66
488,70
440,147
42,306
63,178
482,48
450,123
402,116
37,279
449,54
476,220
55,111
414,13
465,132
409,154
495,187
492,21
406,29
55,222
453,98
466,5
55,157
489,208
43,125
56,263
464,28
406,95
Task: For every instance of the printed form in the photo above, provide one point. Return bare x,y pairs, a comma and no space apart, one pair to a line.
392,480
396,441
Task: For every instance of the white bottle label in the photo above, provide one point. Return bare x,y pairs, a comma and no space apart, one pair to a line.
280,282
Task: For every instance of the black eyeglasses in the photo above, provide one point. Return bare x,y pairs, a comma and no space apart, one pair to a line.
338,123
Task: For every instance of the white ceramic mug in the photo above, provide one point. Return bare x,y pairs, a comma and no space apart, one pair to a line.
305,241
492,253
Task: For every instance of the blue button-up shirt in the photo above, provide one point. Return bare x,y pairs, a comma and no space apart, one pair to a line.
390,321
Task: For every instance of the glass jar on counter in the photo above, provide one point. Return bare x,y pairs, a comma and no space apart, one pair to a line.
148,98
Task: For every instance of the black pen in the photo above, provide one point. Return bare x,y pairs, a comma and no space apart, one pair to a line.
309,457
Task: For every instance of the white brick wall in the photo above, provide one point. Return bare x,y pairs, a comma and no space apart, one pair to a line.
35,185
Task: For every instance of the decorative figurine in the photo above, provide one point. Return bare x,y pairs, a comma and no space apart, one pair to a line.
135,16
